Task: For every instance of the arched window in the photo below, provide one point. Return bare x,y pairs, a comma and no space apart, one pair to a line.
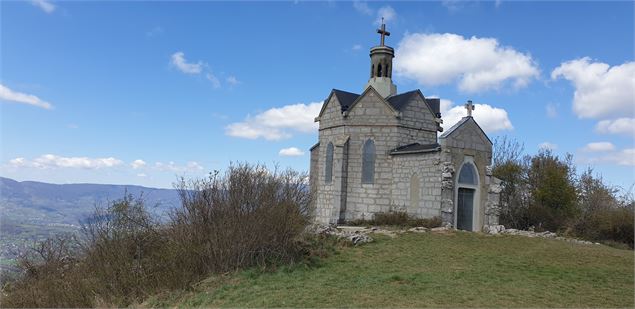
379,70
372,71
368,162
328,167
468,174
387,70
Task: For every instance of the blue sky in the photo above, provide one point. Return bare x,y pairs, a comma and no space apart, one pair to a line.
143,92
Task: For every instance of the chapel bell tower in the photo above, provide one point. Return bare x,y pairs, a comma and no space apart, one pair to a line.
381,66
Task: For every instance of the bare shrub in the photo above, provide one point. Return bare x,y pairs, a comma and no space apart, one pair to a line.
248,216
51,277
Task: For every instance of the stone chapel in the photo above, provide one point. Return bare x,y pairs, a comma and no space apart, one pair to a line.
378,151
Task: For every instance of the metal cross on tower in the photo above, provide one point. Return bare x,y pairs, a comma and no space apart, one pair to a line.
383,32
470,107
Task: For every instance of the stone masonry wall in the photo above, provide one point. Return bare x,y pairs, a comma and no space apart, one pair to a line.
468,140
427,167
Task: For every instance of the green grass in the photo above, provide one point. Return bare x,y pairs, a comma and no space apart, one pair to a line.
433,270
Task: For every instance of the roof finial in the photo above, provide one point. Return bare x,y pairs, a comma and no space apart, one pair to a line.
470,107
383,32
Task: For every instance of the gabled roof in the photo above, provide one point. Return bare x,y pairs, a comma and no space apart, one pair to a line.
416,148
369,89
397,102
345,99
400,101
460,124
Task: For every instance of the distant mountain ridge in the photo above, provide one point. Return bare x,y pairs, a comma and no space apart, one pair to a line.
31,211
61,196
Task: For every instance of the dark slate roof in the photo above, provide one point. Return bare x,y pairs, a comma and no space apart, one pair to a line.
415,148
459,124
313,147
399,101
435,106
345,98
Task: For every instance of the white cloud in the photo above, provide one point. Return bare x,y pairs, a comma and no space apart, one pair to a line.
601,91
232,80
212,78
291,152
7,94
547,146
552,111
137,164
490,119
173,167
278,123
55,161
617,126
356,47
142,175
178,61
18,162
362,7
45,5
387,13
598,147
478,64
625,157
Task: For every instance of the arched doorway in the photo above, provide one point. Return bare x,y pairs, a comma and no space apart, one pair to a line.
467,197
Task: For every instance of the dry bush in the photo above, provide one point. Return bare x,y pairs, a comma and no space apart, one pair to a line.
249,216
51,277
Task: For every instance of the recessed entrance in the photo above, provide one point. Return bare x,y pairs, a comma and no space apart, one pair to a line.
465,209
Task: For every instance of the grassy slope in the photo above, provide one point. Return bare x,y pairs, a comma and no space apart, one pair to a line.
435,270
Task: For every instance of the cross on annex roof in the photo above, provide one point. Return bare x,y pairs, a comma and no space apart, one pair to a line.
383,32
470,107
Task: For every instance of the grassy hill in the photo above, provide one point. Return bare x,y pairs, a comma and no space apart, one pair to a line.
453,269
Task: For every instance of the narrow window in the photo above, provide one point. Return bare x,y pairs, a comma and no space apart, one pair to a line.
368,162
328,169
379,70
372,71
468,174
387,70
